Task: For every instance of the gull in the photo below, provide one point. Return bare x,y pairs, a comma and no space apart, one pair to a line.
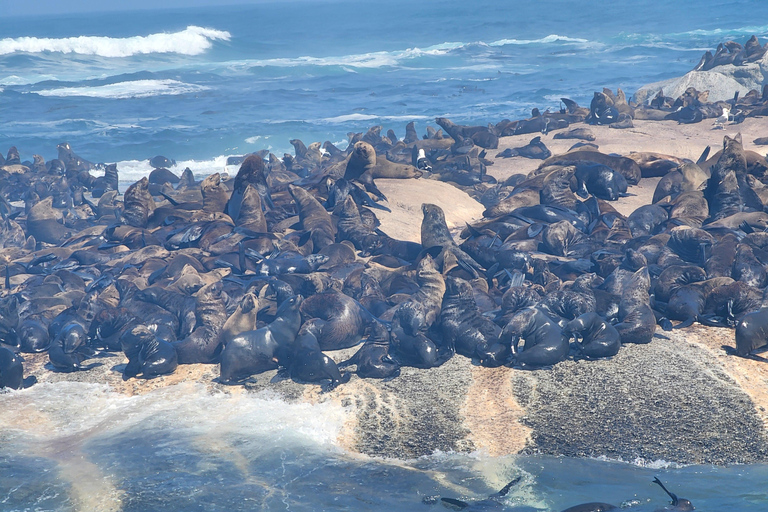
720,121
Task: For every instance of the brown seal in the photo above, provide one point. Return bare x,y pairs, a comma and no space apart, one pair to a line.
203,345
341,319
139,204
314,218
243,319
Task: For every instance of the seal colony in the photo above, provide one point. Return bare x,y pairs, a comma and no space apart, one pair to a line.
287,261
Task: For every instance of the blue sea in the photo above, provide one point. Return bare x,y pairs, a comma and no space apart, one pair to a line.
200,84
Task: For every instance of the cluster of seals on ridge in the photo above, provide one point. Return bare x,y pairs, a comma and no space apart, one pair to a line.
696,255
170,264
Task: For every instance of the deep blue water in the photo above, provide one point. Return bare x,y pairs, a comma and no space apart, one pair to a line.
199,84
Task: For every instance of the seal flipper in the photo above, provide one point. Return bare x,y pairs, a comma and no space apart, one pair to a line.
685,323
505,490
704,155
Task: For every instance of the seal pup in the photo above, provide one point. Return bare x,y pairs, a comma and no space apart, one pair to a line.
260,350
598,337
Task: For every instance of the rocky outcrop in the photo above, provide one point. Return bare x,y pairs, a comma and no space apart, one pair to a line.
722,82
679,399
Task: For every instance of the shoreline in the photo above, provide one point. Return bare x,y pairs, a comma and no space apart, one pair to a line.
473,415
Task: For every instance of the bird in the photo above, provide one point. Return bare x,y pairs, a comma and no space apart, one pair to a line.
720,121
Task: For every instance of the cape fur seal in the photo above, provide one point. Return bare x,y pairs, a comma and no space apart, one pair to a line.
259,350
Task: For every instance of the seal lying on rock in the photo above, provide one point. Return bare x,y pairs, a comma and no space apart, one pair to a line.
545,343
12,371
260,350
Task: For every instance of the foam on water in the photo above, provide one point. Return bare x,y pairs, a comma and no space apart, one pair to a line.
66,410
552,38
191,41
125,90
130,171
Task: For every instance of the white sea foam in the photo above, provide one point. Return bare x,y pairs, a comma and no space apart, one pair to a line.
66,409
190,41
130,171
349,117
552,38
124,90
747,31
362,60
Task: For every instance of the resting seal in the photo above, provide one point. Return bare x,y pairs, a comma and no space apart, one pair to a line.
599,338
434,233
465,330
203,345
243,319
373,360
307,364
260,350
545,343
637,321
139,204
344,320
12,371
146,354
752,334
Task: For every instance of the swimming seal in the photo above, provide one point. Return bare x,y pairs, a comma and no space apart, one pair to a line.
591,507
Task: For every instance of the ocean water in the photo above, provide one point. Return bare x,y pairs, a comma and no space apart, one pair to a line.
77,446
199,84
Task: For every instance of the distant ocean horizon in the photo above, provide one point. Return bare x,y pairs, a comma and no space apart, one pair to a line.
200,84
